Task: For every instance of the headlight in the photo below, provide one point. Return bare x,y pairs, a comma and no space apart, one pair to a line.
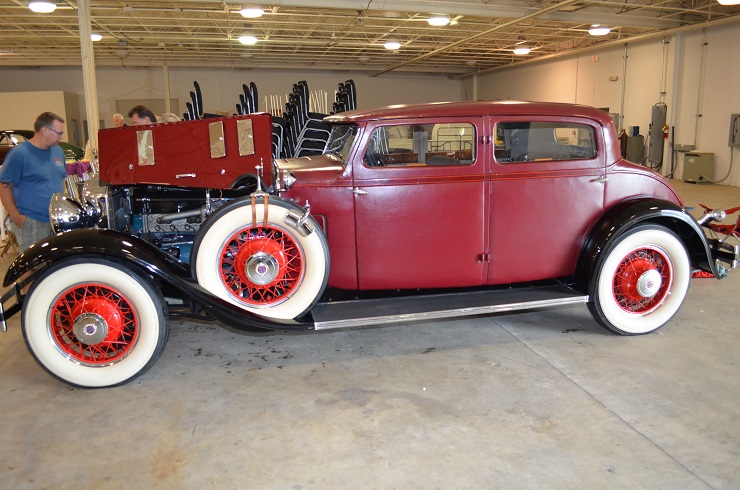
287,180
66,214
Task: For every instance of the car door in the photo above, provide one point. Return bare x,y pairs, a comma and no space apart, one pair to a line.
547,190
420,205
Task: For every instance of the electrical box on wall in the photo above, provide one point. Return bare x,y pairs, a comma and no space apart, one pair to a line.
698,167
734,130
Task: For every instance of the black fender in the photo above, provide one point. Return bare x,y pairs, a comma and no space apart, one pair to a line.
140,256
627,214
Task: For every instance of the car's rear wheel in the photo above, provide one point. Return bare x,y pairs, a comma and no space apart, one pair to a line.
95,323
640,281
274,267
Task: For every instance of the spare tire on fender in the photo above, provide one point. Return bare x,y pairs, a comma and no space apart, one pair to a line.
264,254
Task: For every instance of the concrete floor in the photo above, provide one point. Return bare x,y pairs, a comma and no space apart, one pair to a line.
530,400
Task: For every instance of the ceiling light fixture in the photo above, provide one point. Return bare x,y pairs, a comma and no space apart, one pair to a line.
599,30
521,50
248,38
392,43
729,2
96,37
251,11
42,6
438,20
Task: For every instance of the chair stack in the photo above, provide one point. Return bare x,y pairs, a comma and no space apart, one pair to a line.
307,133
345,98
195,107
299,132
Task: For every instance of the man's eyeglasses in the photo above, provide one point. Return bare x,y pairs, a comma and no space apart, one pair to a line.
59,133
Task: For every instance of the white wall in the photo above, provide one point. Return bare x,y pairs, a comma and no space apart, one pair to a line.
221,87
700,91
20,109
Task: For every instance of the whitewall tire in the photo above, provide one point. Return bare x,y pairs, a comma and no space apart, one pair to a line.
267,268
640,281
94,323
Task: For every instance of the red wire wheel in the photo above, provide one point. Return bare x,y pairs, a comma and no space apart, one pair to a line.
94,324
261,266
642,280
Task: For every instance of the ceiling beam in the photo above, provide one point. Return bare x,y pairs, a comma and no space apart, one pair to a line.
506,8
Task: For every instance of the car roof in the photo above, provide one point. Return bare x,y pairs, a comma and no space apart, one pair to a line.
471,108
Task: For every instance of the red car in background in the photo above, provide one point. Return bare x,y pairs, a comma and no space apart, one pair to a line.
411,213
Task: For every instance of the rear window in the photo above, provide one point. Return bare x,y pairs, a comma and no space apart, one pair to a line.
543,141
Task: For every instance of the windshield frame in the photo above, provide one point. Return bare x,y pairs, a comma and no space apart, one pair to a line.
341,140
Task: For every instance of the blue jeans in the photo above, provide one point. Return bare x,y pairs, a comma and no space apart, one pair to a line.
30,232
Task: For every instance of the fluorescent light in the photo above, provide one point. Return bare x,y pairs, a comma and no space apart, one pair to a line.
42,6
251,11
248,39
392,43
96,37
729,2
599,30
438,20
521,50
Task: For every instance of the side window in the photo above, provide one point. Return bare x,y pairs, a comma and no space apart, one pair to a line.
542,141
414,145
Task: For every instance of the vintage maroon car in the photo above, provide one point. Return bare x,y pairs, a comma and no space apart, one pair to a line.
411,213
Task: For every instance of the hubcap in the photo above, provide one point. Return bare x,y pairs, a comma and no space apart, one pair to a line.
649,283
90,328
262,268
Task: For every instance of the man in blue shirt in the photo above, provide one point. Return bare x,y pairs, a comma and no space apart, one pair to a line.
32,172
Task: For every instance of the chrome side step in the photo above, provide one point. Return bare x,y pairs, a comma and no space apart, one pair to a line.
357,313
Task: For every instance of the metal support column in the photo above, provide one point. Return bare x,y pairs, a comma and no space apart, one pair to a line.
88,75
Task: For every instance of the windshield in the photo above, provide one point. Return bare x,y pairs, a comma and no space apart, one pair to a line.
341,139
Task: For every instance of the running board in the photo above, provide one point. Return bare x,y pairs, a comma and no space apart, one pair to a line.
357,313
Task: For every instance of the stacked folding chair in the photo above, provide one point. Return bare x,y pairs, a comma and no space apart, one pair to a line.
299,132
345,98
195,106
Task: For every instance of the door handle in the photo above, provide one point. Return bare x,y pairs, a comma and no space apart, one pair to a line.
358,192
601,179
180,176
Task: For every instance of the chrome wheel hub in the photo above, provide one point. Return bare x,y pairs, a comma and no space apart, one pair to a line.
649,283
262,268
90,328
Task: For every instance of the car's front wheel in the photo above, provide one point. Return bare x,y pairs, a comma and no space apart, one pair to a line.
94,323
640,280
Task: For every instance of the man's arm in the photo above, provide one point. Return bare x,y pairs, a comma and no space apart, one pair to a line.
8,200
